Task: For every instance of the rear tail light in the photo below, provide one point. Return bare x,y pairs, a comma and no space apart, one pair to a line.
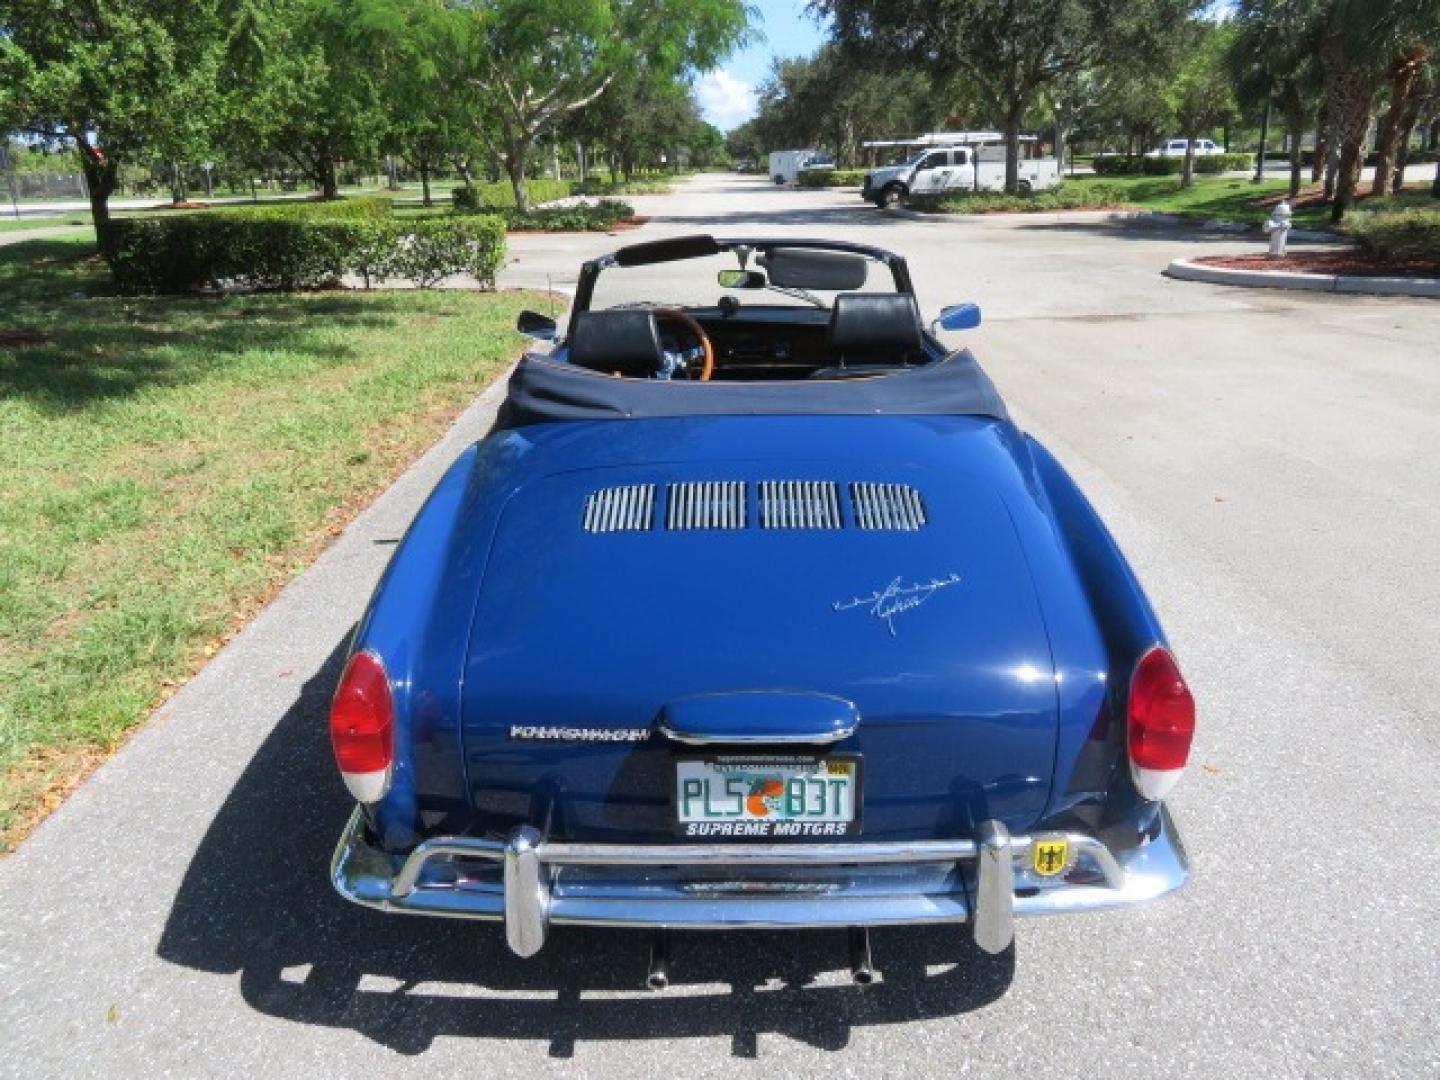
362,728
1161,723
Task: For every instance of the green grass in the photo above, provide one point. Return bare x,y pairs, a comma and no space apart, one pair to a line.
1211,197
26,224
166,464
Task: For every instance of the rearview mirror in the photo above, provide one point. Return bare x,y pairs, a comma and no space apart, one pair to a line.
741,279
959,317
533,324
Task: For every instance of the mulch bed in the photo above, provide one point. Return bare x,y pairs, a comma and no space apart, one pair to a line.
1348,263
23,339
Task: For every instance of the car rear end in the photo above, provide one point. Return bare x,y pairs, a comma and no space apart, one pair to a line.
773,689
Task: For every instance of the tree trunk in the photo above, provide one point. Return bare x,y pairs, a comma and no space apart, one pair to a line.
517,153
424,165
1435,186
1322,144
100,179
1187,175
1293,106
1264,135
1402,80
1013,116
1350,91
325,173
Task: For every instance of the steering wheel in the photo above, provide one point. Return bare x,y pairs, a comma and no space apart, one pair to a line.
675,315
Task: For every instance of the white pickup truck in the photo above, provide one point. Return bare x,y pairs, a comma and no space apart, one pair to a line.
940,169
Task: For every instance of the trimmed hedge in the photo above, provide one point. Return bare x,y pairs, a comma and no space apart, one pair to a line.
500,194
1130,165
1065,197
263,250
600,216
826,178
1398,235
639,186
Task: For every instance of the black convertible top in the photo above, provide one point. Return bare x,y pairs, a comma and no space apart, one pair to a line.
544,391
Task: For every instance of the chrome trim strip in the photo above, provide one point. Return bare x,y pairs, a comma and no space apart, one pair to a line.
689,739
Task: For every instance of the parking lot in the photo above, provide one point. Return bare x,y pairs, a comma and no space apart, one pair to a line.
1268,460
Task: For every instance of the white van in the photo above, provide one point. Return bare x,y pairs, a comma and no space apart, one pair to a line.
786,165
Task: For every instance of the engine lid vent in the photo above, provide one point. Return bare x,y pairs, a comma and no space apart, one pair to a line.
715,504
620,509
896,507
799,504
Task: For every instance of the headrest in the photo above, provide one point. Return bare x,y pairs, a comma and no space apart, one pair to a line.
875,328
623,341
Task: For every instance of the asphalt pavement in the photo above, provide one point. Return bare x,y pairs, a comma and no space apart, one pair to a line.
1269,461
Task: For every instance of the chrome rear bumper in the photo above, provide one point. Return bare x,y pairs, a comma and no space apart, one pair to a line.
532,883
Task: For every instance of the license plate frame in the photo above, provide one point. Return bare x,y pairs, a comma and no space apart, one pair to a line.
776,825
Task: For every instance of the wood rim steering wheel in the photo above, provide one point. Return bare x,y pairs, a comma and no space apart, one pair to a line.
687,321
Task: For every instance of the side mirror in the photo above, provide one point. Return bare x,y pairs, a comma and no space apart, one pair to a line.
959,317
741,279
533,324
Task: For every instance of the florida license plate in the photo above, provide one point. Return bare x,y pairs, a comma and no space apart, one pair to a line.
745,796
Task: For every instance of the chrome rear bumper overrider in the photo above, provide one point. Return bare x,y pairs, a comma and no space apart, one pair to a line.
532,883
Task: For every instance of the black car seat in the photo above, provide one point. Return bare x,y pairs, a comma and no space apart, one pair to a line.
872,334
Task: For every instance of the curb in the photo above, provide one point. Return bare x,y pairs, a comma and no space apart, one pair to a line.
1189,270
1139,217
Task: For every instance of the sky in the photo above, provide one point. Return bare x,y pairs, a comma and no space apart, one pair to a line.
727,94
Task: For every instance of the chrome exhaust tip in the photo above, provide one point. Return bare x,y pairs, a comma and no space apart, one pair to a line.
658,977
862,968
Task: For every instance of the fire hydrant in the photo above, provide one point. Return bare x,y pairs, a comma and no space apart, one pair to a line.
1278,229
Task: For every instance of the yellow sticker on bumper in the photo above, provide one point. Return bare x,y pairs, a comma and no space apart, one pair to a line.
1050,857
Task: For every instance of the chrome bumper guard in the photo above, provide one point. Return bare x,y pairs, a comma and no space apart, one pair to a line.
531,883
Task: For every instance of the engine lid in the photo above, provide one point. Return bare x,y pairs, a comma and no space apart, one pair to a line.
612,592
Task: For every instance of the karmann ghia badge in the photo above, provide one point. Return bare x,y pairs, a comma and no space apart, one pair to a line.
895,599
579,734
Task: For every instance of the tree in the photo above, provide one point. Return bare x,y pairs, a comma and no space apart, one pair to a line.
1202,94
119,81
309,88
1362,46
1010,50
523,65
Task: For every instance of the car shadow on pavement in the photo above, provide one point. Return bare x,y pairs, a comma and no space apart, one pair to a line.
256,900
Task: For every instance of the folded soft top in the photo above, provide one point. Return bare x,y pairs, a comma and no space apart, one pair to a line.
544,391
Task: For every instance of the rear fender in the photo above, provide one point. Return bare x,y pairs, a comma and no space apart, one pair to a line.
418,622
1127,627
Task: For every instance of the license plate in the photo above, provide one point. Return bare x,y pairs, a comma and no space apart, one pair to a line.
744,796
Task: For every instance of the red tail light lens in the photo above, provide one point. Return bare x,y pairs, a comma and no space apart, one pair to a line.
362,719
1162,723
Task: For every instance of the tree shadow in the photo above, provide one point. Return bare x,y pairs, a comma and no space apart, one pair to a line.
98,348
1143,232
860,216
256,900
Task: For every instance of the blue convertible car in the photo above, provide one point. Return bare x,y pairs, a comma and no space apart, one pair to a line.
756,610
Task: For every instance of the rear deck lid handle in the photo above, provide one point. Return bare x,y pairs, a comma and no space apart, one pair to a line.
747,717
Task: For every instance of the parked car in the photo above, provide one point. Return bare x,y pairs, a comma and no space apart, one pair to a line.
786,165
757,609
946,169
1176,148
